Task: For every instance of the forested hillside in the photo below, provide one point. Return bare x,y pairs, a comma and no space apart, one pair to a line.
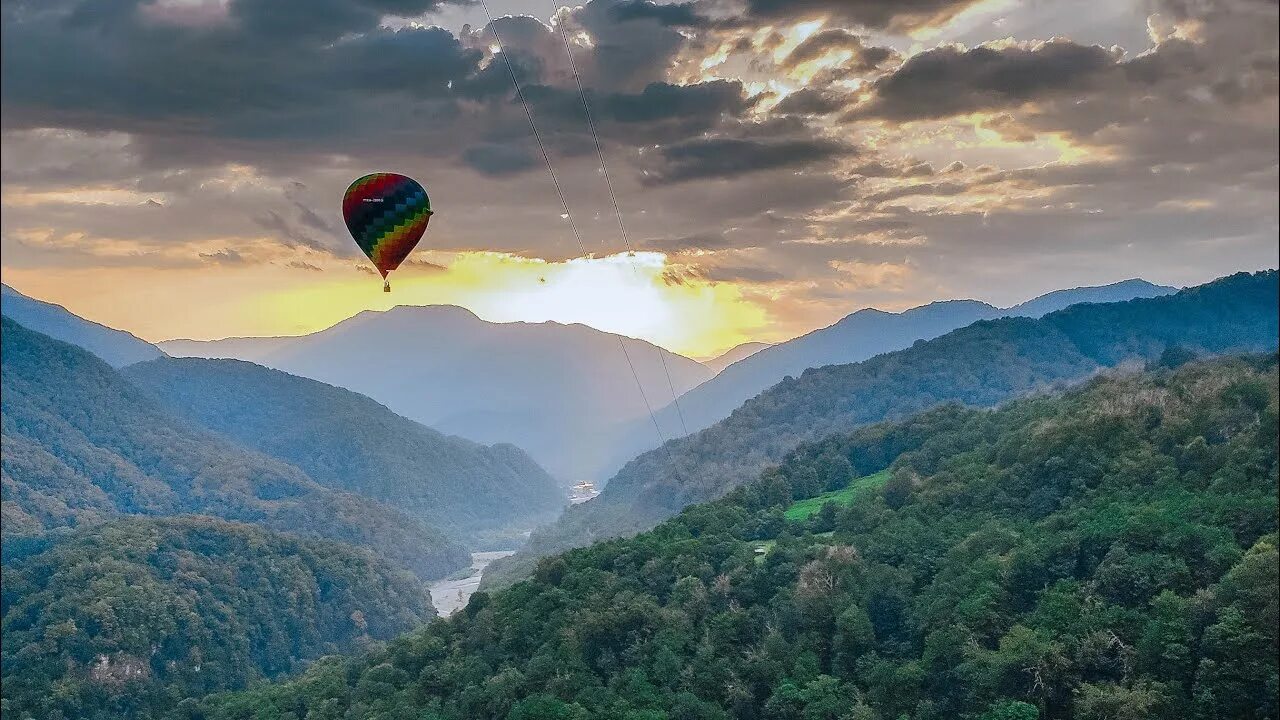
983,364
347,441
862,335
129,618
82,444
117,347
1110,553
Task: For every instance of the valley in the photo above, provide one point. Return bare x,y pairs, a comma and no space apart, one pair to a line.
859,503
450,594
639,360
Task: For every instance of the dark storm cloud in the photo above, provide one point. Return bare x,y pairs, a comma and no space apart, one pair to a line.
729,157
672,15
949,81
627,55
895,15
209,89
253,88
664,101
659,113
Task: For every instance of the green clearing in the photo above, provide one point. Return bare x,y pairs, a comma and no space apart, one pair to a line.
844,496
762,548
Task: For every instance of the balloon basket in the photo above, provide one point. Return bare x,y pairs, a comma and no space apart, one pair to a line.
386,286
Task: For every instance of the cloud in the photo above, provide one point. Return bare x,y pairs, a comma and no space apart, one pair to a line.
893,15
423,265
818,45
499,158
288,233
224,257
809,101
951,81
730,273
171,128
731,157
671,15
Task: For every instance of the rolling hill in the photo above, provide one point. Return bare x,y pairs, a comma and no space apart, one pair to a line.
346,441
558,391
82,444
983,364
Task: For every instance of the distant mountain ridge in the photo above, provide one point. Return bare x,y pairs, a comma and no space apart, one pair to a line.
734,354
864,334
557,391
82,445
117,347
349,442
982,364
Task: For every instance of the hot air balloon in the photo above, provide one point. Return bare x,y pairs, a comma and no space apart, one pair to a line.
386,214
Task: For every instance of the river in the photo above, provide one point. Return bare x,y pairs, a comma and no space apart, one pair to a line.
451,594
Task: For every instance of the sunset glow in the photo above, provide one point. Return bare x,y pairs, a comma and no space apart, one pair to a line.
630,295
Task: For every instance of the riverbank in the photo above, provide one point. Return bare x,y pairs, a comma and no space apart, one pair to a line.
452,593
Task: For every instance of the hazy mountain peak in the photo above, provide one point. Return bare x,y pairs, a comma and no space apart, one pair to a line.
557,390
439,311
948,306
734,354
859,336
1130,289
117,347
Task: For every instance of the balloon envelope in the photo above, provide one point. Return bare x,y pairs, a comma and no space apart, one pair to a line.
386,214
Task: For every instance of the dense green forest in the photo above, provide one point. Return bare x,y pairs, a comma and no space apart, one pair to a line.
982,364
347,441
1109,553
82,444
131,617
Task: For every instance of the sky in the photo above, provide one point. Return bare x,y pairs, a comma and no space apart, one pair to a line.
175,167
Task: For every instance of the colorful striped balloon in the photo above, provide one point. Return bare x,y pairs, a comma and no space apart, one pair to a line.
386,214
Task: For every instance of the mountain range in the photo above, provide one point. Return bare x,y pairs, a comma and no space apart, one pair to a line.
876,570
83,445
865,334
560,392
566,393
1103,554
982,364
